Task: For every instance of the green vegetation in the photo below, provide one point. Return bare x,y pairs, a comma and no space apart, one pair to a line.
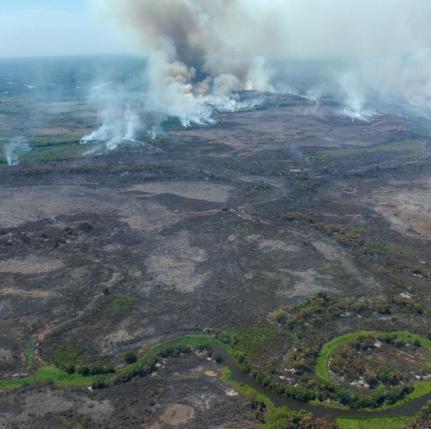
271,416
29,354
374,423
304,324
64,375
65,356
172,124
375,248
71,360
245,389
83,421
130,357
54,152
279,417
253,340
297,330
48,374
282,418
419,389
359,236
117,305
49,148
331,346
145,364
278,316
422,419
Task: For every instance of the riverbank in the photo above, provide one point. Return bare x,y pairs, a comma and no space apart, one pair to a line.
277,404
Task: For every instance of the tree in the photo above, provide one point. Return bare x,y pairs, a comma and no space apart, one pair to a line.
130,357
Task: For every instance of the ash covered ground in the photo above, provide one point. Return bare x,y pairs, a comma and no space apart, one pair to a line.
200,229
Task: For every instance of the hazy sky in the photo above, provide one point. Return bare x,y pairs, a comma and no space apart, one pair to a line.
56,27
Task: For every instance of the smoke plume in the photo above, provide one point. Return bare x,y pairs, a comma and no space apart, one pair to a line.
118,107
15,148
370,55
204,47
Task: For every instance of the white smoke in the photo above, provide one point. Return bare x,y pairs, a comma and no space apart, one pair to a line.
201,53
115,130
15,148
121,123
171,92
354,99
180,79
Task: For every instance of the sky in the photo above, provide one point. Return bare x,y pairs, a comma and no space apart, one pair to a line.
31,28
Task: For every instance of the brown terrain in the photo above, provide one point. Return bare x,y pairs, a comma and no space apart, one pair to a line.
201,229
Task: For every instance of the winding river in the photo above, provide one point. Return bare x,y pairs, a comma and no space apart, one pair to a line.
408,409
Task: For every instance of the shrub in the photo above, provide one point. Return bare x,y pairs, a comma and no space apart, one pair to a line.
130,357
70,369
219,359
84,371
99,383
417,343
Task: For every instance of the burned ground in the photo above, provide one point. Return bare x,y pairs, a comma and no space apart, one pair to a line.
184,393
206,228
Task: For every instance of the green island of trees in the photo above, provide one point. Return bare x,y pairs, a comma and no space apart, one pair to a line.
419,389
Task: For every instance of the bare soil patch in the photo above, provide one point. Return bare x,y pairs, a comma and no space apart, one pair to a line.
33,203
177,414
407,209
216,193
31,264
26,294
53,131
176,261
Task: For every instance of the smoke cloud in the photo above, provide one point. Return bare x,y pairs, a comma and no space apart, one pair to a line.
372,56
15,148
121,123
